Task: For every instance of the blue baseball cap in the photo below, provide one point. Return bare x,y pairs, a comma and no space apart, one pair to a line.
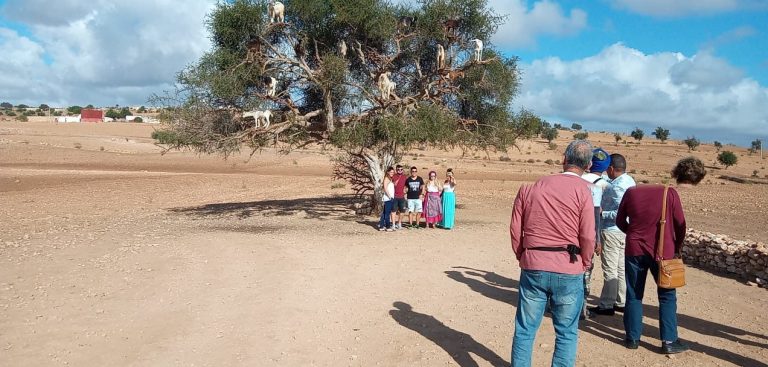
600,160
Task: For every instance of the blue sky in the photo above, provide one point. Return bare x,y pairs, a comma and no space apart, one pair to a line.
696,67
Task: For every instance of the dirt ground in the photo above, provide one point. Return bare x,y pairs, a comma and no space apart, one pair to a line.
113,255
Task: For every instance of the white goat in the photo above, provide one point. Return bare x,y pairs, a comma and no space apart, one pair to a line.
342,48
271,84
386,86
440,57
478,55
276,12
259,116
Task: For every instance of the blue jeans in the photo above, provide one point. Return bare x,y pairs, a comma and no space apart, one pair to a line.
637,271
565,294
386,218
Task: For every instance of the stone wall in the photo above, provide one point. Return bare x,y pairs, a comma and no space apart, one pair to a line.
717,252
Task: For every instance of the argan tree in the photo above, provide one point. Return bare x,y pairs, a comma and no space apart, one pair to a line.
661,134
718,145
617,137
372,78
637,133
692,143
549,134
727,158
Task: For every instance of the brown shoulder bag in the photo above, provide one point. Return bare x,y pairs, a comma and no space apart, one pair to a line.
671,271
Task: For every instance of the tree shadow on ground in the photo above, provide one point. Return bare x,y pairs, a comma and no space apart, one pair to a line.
324,208
458,345
495,286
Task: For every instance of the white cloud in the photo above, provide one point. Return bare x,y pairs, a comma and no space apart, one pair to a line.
674,8
523,25
623,87
100,52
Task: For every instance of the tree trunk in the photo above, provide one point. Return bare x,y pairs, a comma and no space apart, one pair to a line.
377,164
327,97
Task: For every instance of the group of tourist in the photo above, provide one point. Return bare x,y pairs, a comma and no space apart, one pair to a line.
595,208
403,194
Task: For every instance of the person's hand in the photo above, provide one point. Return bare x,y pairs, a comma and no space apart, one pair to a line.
598,250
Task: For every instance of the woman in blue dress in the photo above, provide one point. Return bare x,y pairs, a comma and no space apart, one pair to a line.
449,201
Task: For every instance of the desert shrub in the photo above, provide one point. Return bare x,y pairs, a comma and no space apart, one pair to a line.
549,162
165,137
505,158
22,118
531,160
78,146
581,135
557,162
338,185
727,158
755,173
552,146
138,119
692,143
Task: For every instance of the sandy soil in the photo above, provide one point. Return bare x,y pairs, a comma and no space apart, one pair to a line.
111,254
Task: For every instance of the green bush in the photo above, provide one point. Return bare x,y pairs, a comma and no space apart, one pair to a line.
165,137
581,135
727,158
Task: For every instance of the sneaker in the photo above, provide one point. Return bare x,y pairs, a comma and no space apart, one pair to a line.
602,311
673,347
390,229
618,308
381,229
631,344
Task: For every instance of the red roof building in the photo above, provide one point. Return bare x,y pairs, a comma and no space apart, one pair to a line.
90,115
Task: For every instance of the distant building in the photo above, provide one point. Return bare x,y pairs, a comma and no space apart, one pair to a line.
63,119
91,115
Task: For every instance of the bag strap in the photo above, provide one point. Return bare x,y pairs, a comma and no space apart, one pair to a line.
662,225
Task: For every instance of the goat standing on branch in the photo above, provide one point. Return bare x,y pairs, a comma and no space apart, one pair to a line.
386,86
276,12
342,48
261,117
271,85
440,57
478,50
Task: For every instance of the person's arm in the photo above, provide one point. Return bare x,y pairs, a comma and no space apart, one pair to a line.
391,194
621,213
587,231
615,191
678,220
516,224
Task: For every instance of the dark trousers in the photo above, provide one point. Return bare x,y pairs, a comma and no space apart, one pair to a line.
636,268
386,220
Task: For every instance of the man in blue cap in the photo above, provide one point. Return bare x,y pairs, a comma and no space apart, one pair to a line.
600,162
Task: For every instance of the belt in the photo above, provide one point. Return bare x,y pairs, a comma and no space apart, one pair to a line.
571,249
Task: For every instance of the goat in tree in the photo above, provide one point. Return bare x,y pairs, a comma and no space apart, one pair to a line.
271,84
276,12
261,117
342,47
440,57
478,50
386,86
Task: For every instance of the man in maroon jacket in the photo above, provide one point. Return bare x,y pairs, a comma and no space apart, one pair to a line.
638,216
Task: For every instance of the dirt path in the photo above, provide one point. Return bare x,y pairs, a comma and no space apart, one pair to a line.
157,267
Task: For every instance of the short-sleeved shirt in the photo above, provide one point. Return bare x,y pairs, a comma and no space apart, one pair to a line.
414,185
399,181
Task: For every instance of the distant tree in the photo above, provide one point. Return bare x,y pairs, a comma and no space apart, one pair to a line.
125,111
617,137
6,105
545,125
581,135
111,113
23,118
56,113
576,126
558,126
718,145
637,134
755,146
138,119
28,113
74,110
142,109
10,113
89,106
727,158
692,143
22,106
44,107
661,134
550,134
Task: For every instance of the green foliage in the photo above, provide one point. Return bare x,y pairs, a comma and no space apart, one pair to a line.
727,158
111,113
10,113
165,137
581,135
22,118
138,119
550,134
44,107
637,134
755,146
142,109
661,134
558,126
74,110
718,145
89,106
22,107
6,105
692,143
576,126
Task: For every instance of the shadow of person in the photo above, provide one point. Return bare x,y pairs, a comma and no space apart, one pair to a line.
458,345
491,287
337,207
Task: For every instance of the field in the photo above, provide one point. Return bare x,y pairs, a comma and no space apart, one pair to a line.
112,254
